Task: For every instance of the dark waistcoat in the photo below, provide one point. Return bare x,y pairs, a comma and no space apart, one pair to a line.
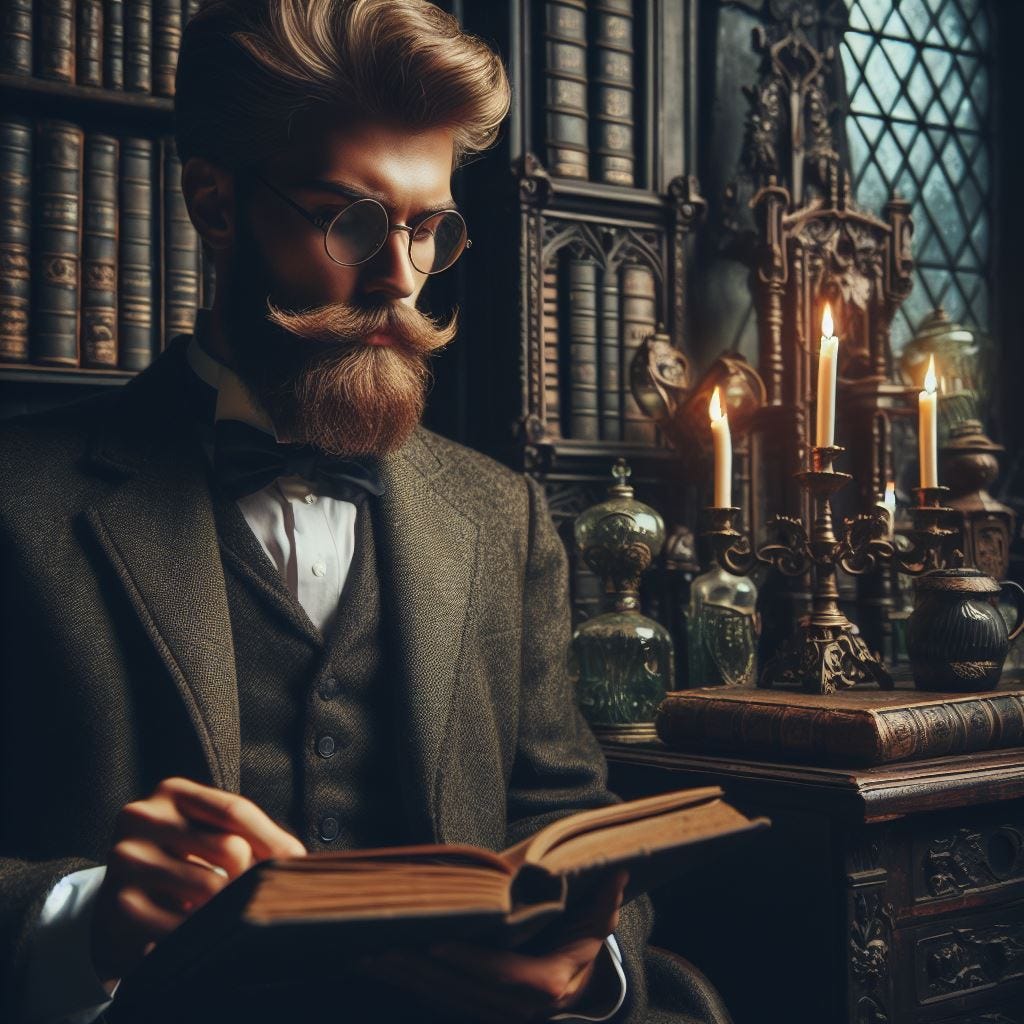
318,747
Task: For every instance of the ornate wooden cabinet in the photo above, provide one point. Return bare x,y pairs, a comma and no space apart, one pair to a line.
887,895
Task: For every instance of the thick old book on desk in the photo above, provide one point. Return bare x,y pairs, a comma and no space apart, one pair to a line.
285,919
859,728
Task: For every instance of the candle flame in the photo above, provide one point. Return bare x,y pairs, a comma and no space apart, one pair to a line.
827,326
929,377
715,406
890,494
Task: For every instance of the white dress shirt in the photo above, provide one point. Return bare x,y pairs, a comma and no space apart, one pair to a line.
310,538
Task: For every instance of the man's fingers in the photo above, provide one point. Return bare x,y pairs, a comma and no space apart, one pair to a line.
234,814
159,821
178,884
145,917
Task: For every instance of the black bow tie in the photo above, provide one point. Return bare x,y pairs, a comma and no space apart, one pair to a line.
246,459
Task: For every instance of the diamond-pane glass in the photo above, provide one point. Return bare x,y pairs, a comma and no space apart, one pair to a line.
917,75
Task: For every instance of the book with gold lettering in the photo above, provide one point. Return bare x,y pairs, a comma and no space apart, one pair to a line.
275,920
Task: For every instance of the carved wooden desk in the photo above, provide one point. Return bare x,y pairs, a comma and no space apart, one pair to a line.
884,895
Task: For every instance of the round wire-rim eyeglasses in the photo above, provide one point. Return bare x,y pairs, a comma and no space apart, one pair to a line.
424,229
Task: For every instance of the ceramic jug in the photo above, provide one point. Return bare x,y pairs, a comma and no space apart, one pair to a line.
956,638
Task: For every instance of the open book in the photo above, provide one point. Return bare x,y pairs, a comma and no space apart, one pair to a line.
283,918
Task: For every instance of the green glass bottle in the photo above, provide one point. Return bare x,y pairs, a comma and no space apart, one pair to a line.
624,660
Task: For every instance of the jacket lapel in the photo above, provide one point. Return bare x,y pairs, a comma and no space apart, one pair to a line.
157,529
429,563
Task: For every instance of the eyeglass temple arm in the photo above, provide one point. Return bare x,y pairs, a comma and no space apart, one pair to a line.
314,220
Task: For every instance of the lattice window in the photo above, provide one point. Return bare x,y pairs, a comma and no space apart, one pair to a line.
918,76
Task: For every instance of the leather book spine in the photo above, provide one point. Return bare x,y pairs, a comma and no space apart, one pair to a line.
611,359
581,293
565,113
843,735
639,319
612,107
166,41
138,46
56,242
955,727
55,40
16,37
137,329
89,39
113,44
181,253
15,236
99,252
549,332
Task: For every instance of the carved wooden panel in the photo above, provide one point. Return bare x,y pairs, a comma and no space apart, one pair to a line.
961,860
980,953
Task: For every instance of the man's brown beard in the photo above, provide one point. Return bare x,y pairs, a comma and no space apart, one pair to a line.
331,389
322,384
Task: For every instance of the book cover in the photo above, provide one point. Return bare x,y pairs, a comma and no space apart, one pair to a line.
55,40
138,46
580,289
565,118
166,41
137,256
56,242
113,44
181,253
89,40
611,77
99,252
858,728
15,236
639,319
16,37
611,356
549,332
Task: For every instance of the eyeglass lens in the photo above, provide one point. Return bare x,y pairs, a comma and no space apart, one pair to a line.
361,229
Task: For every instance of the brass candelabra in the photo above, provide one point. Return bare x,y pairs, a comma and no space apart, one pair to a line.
826,652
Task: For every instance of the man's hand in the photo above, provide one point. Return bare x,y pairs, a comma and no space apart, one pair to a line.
172,852
493,986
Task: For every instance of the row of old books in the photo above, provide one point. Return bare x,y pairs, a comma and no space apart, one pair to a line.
99,262
130,45
594,319
589,94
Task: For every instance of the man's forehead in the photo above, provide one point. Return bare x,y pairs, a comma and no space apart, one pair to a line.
375,158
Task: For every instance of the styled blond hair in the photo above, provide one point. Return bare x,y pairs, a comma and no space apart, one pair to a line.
247,67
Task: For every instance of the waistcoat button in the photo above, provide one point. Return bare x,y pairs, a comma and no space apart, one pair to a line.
329,829
329,688
325,746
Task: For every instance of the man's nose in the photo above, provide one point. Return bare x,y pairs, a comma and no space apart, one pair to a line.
390,273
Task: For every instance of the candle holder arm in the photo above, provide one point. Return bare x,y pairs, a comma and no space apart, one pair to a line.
865,546
791,554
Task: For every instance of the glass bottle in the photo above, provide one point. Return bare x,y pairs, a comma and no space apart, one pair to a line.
722,629
624,659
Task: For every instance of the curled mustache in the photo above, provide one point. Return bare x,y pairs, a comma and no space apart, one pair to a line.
349,326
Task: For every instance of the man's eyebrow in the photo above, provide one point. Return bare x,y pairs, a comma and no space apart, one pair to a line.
351,192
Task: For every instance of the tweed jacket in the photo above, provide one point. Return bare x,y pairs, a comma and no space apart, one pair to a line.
118,668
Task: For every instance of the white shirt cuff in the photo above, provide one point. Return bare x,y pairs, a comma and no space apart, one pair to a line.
610,952
62,983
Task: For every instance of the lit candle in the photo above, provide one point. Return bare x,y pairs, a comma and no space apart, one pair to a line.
890,506
722,440
828,360
928,429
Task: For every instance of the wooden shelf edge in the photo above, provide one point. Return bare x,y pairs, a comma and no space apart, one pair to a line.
29,373
85,97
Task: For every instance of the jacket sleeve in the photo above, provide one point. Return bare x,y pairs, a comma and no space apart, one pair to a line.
559,767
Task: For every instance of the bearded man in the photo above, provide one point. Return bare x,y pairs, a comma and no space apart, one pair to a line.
251,607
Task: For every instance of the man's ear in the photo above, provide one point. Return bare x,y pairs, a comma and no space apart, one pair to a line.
210,197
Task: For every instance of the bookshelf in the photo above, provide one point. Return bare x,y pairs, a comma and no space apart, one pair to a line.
100,266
